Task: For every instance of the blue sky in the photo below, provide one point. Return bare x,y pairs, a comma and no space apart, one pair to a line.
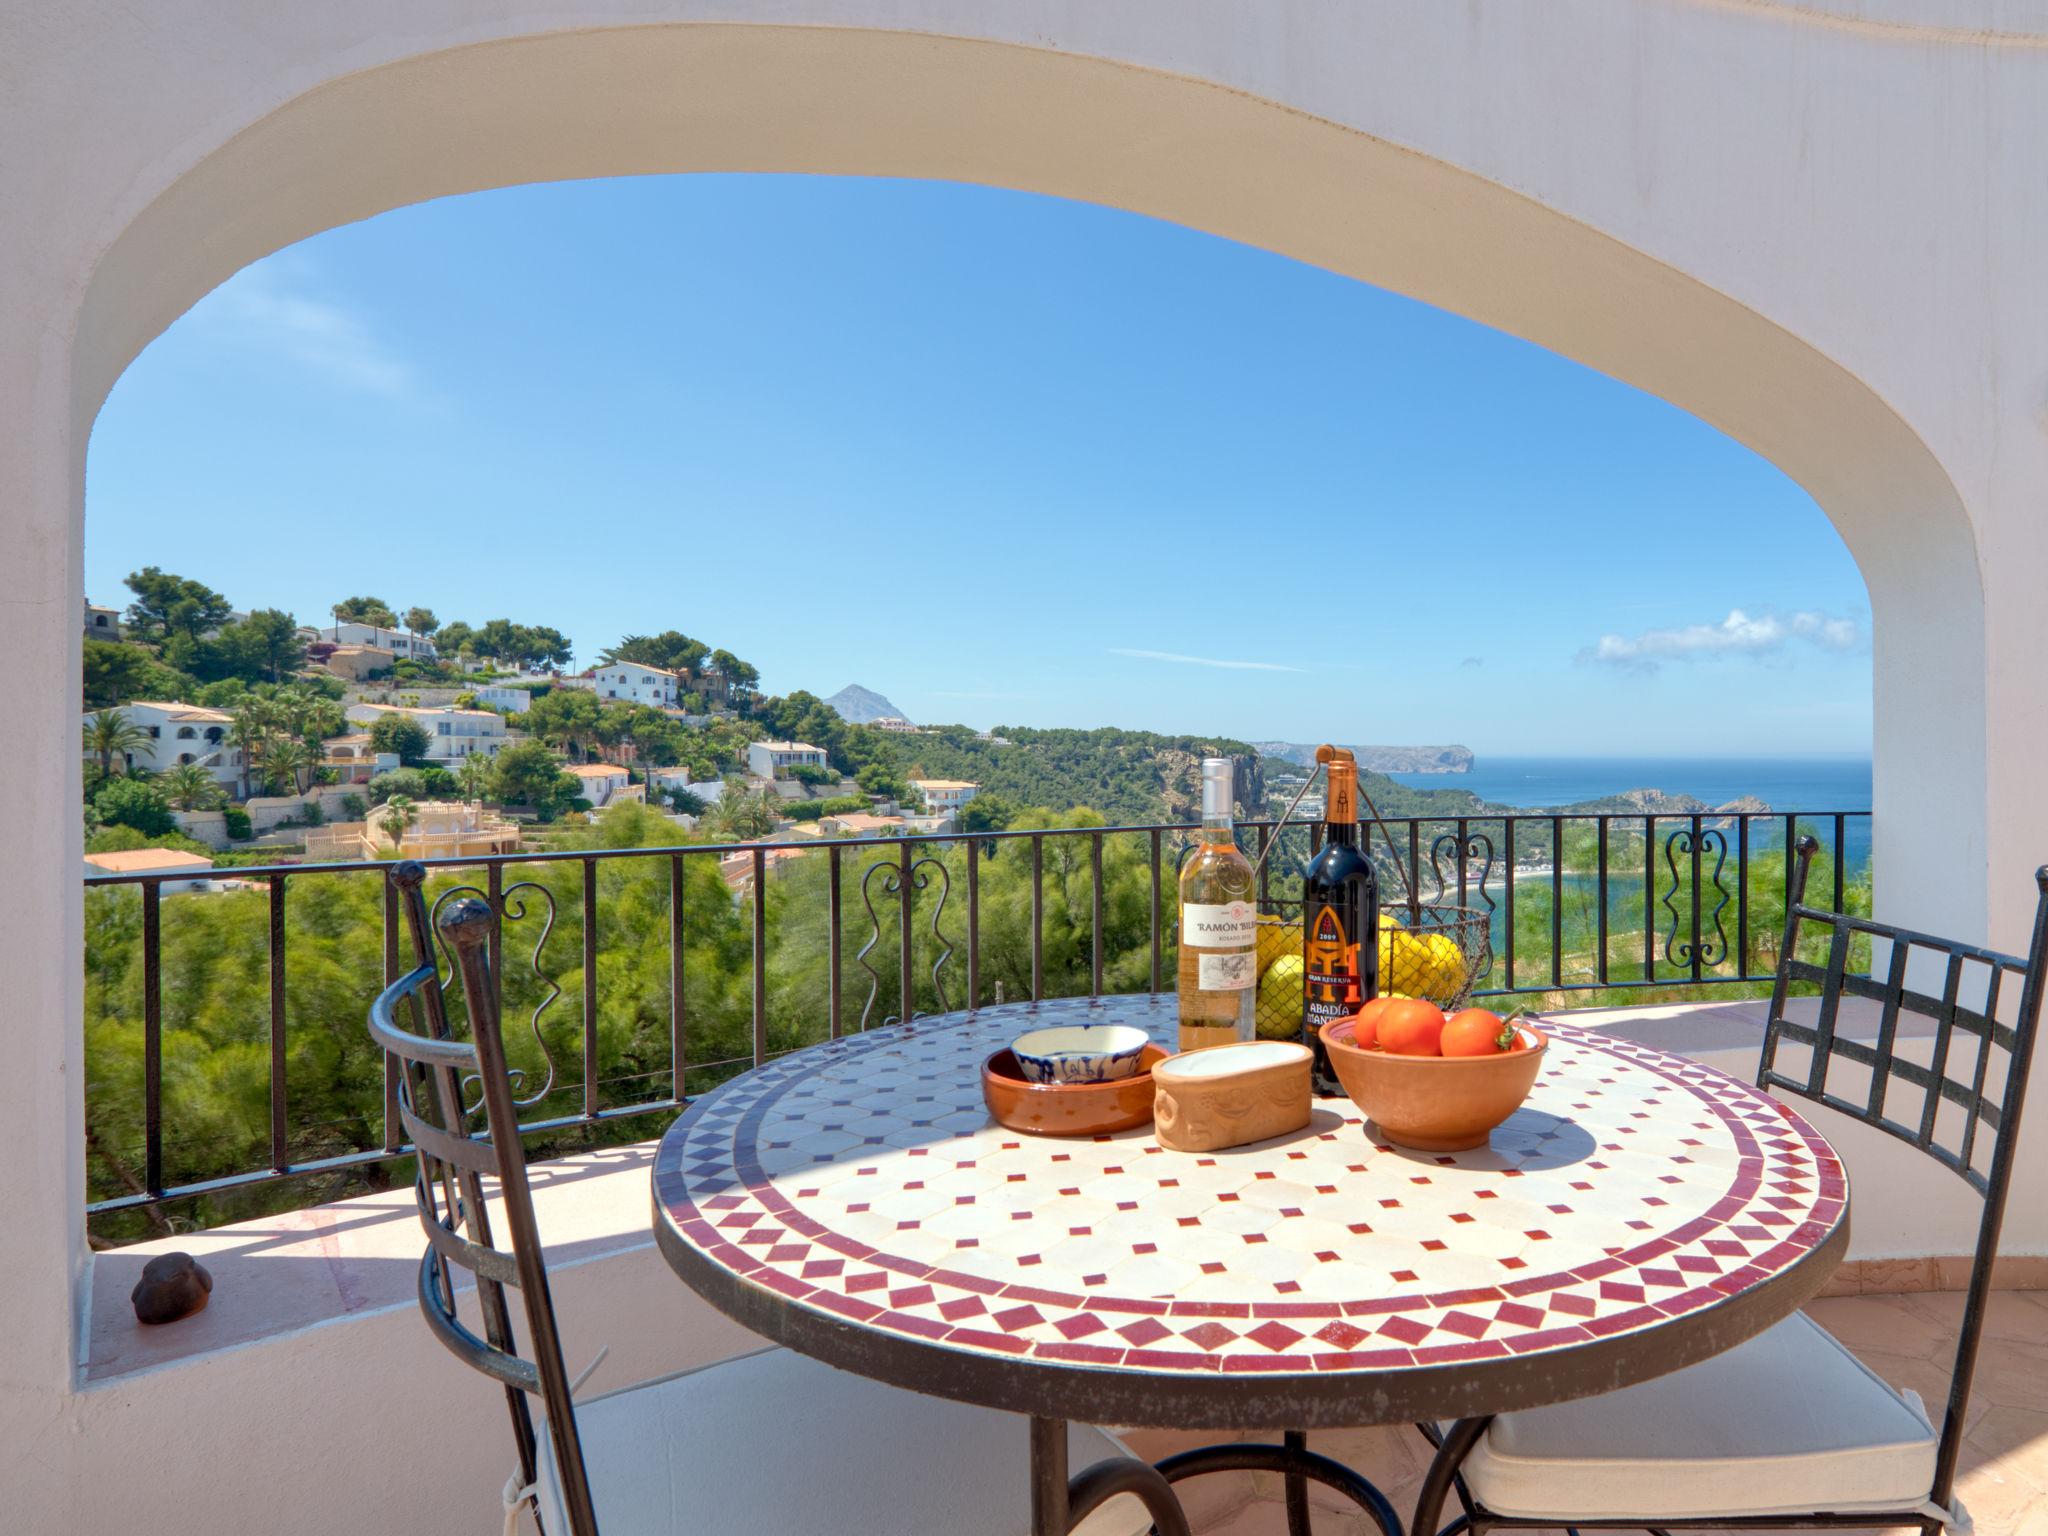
1000,457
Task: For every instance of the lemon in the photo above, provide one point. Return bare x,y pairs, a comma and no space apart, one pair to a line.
1277,937
1279,1005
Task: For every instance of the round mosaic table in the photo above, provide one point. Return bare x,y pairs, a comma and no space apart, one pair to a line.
854,1201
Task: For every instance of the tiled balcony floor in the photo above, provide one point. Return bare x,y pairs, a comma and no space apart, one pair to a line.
1908,1339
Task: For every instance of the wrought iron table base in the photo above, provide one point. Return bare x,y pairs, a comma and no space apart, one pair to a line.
1300,1466
1058,1501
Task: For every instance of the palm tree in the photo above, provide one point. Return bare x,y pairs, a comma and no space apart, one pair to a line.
399,816
190,787
254,730
111,734
475,776
288,761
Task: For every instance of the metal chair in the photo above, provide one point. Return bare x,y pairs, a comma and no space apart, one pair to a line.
1790,1429
689,1451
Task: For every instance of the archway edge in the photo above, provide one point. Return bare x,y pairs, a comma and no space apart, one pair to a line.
678,97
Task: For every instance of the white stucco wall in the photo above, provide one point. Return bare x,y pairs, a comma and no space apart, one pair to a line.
1819,227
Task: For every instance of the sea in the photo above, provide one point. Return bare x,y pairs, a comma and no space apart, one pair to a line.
1783,783
1803,784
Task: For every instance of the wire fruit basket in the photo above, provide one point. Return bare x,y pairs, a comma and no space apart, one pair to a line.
1435,950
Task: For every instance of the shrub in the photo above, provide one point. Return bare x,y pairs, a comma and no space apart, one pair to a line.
239,827
132,803
354,807
406,738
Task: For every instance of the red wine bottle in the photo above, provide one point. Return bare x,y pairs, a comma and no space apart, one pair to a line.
1340,913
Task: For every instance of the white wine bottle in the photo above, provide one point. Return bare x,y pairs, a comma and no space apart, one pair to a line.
1219,926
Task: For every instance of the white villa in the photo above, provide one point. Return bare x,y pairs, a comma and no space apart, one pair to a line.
604,783
397,641
180,733
944,797
632,682
440,829
456,733
775,759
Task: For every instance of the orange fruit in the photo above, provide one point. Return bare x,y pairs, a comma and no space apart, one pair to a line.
1412,1026
1365,1030
1475,1032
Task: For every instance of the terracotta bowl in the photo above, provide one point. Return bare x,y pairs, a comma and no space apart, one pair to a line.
1068,1109
1434,1103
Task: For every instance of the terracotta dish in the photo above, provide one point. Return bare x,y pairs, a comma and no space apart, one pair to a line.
1434,1103
1068,1109
1229,1095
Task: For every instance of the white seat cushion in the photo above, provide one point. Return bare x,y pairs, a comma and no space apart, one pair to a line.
774,1442
1787,1423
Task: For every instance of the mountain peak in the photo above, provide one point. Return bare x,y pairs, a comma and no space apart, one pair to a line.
862,706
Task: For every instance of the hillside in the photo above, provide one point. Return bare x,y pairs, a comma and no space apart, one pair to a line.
1380,759
863,706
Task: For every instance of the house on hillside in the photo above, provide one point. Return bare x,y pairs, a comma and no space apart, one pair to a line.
155,861
353,759
861,824
605,784
396,642
452,733
632,682
944,797
441,829
776,759
179,733
351,663
102,623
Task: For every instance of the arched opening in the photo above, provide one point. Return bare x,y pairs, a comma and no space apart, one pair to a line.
692,98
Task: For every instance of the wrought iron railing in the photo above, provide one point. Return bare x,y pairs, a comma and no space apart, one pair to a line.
1579,905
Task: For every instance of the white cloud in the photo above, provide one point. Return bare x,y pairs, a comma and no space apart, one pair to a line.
1204,661
262,309
1740,634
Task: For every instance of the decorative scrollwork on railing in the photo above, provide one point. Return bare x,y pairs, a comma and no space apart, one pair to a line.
1474,846
895,884
1704,952
1478,846
511,907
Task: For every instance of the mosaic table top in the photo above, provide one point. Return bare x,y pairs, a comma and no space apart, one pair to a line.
863,1185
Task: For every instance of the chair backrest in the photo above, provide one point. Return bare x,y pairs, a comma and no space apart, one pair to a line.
435,1071
1960,1106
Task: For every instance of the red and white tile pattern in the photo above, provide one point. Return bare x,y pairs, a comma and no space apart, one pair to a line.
864,1178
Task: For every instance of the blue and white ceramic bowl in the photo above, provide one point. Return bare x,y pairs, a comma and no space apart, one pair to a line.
1080,1053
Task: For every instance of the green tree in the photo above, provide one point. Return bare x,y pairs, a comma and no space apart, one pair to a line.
529,774
400,816
747,817
168,607
454,639
190,787
402,735
133,803
431,782
120,674
671,650
254,729
986,813
365,610
474,776
566,719
530,645
421,621
742,679
111,734
265,645
288,765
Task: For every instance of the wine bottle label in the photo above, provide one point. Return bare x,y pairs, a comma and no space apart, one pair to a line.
1232,971
1231,925
1331,987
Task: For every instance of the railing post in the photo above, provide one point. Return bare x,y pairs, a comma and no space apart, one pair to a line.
1695,829
1037,917
590,989
973,924
1508,837
1557,901
907,914
1603,901
152,1038
1741,894
834,928
1649,898
760,864
678,1038
1156,974
278,1158
392,1140
1095,916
